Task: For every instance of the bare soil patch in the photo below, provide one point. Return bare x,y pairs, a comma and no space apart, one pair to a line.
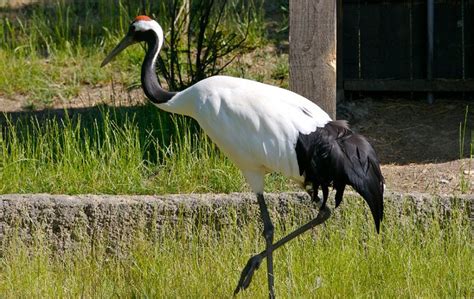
435,178
89,96
417,143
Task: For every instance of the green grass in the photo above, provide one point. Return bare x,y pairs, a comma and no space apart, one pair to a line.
138,150
464,179
415,255
50,50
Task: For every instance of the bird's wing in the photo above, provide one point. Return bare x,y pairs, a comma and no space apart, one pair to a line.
255,124
347,158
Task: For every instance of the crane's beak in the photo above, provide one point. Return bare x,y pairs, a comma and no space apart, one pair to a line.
124,43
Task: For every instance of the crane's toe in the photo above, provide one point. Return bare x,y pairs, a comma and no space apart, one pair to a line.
247,273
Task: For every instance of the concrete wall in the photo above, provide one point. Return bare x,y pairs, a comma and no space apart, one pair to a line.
67,221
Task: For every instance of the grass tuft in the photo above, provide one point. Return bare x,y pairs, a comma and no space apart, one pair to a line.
133,150
51,49
465,171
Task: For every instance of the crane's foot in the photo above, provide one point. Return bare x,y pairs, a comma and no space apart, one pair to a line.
247,273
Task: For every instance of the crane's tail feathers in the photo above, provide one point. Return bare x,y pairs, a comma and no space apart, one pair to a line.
336,155
360,168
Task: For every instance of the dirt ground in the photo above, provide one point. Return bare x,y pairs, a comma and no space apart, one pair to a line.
417,143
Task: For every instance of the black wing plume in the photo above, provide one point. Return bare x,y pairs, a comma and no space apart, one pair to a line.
334,155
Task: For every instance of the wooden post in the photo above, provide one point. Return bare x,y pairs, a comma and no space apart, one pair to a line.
313,51
339,53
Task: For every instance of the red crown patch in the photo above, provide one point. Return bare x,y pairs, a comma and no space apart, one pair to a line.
142,18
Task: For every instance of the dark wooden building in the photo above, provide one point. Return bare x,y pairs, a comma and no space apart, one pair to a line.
386,45
382,46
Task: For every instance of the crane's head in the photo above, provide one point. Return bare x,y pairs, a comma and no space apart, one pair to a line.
143,28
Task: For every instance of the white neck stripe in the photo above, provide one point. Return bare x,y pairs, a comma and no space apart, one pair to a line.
143,26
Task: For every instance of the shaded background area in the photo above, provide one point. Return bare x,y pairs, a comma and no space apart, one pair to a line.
385,45
411,131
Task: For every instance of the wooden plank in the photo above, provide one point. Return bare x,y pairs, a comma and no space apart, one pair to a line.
447,54
313,51
385,40
339,54
436,85
429,46
419,39
469,38
350,44
371,51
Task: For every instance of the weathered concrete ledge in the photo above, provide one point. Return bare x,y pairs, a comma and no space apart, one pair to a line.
67,220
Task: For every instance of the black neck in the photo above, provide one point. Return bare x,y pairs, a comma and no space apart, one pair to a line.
150,85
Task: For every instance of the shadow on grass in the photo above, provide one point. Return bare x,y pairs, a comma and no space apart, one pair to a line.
402,131
150,122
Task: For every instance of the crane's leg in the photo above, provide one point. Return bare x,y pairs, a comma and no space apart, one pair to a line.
314,194
325,189
268,235
255,261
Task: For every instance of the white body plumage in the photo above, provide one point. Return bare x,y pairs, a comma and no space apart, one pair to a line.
256,125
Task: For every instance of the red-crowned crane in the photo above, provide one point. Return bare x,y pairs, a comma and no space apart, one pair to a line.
262,129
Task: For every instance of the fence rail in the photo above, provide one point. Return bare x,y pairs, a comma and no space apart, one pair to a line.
385,45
